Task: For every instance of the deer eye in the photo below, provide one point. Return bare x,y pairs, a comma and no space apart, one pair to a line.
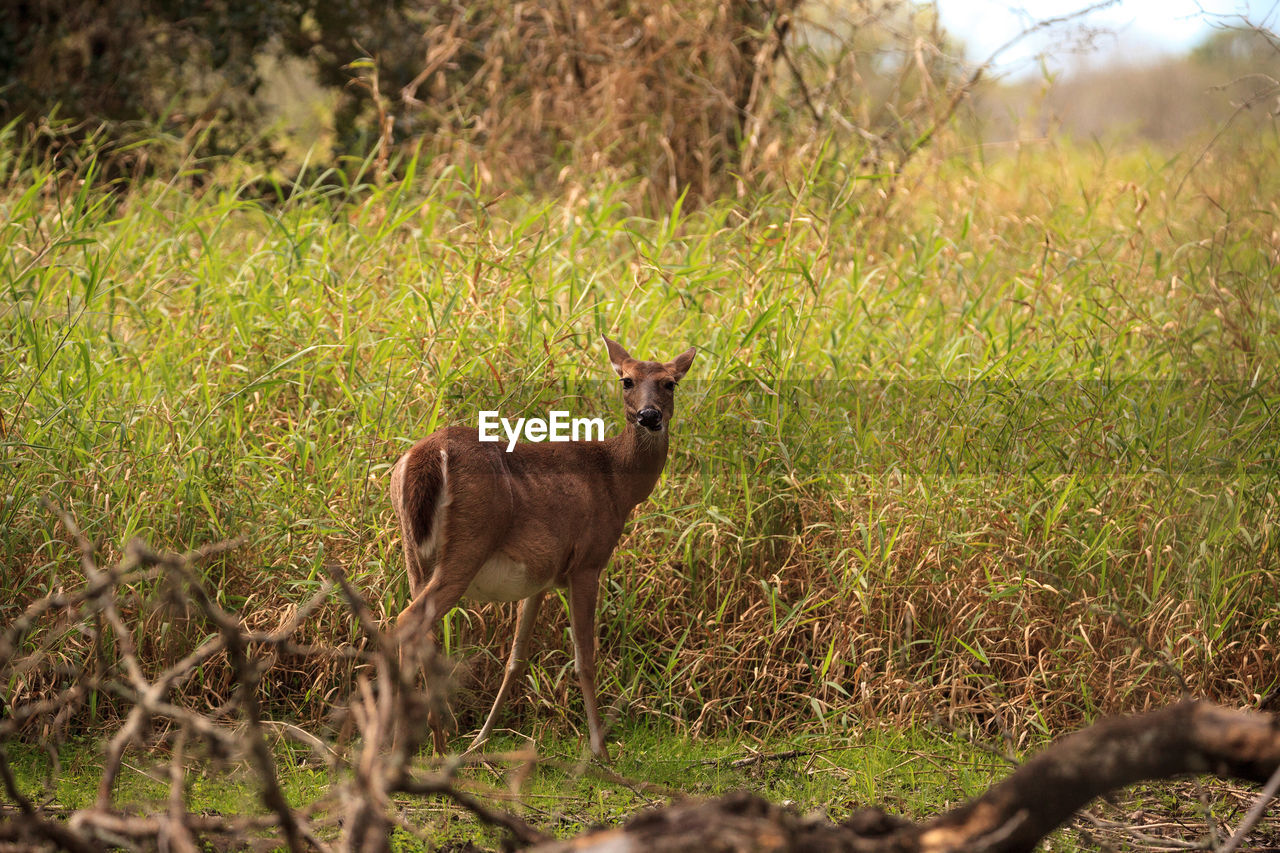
627,382
670,385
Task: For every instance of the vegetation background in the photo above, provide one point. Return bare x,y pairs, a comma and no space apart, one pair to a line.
983,425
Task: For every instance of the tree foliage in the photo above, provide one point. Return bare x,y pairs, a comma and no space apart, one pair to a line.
185,66
697,97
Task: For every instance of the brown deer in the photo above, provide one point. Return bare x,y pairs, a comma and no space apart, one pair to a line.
490,525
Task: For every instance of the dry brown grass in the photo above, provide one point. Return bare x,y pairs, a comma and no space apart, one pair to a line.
662,93
703,99
954,629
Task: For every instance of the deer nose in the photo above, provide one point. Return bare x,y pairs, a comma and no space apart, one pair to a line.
650,418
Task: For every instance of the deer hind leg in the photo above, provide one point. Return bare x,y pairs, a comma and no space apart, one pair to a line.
418,558
516,664
456,566
583,589
416,625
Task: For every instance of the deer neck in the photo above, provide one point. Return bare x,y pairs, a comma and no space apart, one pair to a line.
639,456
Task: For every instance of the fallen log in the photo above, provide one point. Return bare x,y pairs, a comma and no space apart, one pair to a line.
1014,815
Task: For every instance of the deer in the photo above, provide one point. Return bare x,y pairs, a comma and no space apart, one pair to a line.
486,523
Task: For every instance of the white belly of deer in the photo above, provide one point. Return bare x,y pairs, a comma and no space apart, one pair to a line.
503,579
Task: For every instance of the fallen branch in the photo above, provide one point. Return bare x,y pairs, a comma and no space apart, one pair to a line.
517,826
1246,826
1013,816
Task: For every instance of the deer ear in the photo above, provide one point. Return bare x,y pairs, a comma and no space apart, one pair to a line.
681,362
617,355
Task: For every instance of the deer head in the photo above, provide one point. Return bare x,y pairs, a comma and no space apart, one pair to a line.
648,387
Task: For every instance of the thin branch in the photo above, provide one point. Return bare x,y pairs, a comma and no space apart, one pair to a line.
178,834
246,683
36,824
1255,814
514,824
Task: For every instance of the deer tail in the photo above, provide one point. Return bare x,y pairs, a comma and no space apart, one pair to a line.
420,493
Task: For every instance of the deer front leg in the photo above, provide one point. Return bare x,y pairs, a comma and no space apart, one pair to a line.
515,664
582,617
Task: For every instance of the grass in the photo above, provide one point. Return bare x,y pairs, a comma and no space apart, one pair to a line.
997,441
875,765
918,771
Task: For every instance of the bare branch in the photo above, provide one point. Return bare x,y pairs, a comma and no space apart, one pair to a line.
246,677
177,835
514,824
34,825
1255,814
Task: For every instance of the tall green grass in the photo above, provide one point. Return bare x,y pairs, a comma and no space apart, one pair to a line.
1001,442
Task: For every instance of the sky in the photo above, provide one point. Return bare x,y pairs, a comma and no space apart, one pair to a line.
1136,28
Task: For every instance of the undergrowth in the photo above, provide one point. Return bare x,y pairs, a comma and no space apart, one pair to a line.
996,437
874,765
